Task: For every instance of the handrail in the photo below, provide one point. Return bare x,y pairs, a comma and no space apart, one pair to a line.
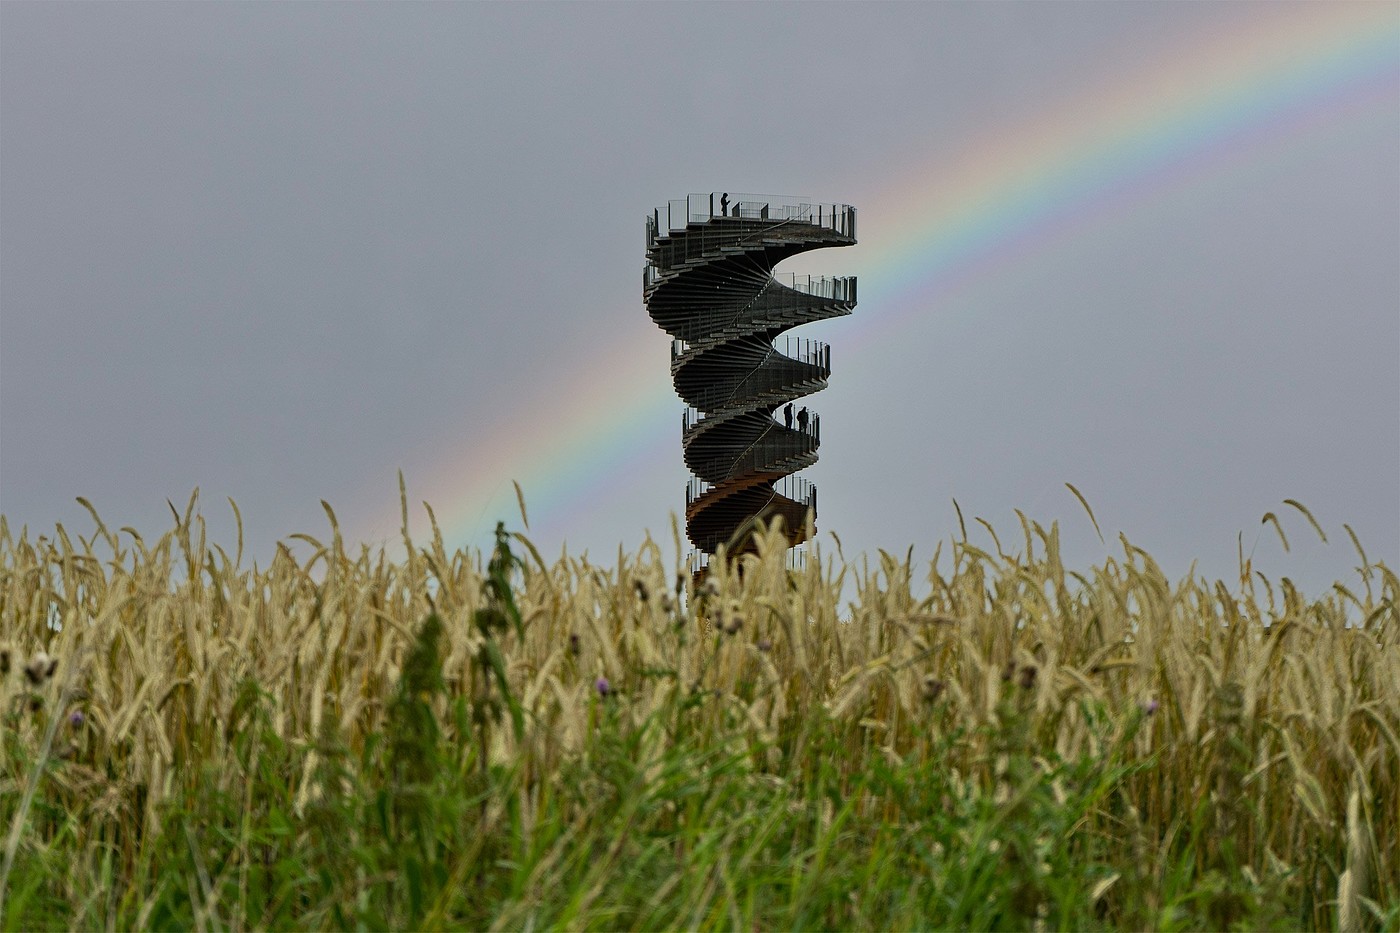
796,488
831,287
808,493
837,289
766,357
840,287
697,244
680,214
757,382
692,417
744,453
773,450
749,375
772,280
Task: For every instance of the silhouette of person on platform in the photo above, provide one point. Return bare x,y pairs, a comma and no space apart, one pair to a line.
802,419
724,203
787,415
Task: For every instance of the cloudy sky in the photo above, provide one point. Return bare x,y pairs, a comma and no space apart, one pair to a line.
282,252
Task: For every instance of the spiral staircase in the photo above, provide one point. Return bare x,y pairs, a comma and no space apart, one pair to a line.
709,283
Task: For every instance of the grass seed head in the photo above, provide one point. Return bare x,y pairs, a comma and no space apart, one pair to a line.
40,668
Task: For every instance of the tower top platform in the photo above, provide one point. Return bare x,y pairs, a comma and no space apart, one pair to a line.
681,214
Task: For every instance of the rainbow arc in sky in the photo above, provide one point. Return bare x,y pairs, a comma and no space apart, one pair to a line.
1289,70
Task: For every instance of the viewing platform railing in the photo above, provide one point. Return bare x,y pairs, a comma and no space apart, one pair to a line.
680,213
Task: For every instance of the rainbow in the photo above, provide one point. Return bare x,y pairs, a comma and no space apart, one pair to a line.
1288,70
1188,111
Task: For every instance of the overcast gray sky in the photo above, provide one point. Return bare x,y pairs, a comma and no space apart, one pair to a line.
281,252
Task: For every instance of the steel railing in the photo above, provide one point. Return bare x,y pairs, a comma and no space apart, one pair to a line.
761,458
830,287
796,488
771,378
793,292
762,454
681,213
800,349
692,417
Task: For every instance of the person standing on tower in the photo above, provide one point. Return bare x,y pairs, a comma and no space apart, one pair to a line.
724,204
787,415
802,419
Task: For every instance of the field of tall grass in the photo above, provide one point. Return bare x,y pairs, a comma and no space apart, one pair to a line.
489,740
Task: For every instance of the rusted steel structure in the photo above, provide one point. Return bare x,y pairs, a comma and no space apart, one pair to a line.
709,283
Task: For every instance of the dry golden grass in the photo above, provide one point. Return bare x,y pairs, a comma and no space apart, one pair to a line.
1271,711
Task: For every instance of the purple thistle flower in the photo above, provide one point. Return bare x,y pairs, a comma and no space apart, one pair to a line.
1149,707
604,688
76,718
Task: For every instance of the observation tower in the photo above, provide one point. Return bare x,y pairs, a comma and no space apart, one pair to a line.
709,283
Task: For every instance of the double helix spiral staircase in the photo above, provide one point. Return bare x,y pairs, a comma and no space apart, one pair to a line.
709,284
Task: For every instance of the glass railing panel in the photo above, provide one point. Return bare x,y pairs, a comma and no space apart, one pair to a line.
835,288
701,208
677,215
